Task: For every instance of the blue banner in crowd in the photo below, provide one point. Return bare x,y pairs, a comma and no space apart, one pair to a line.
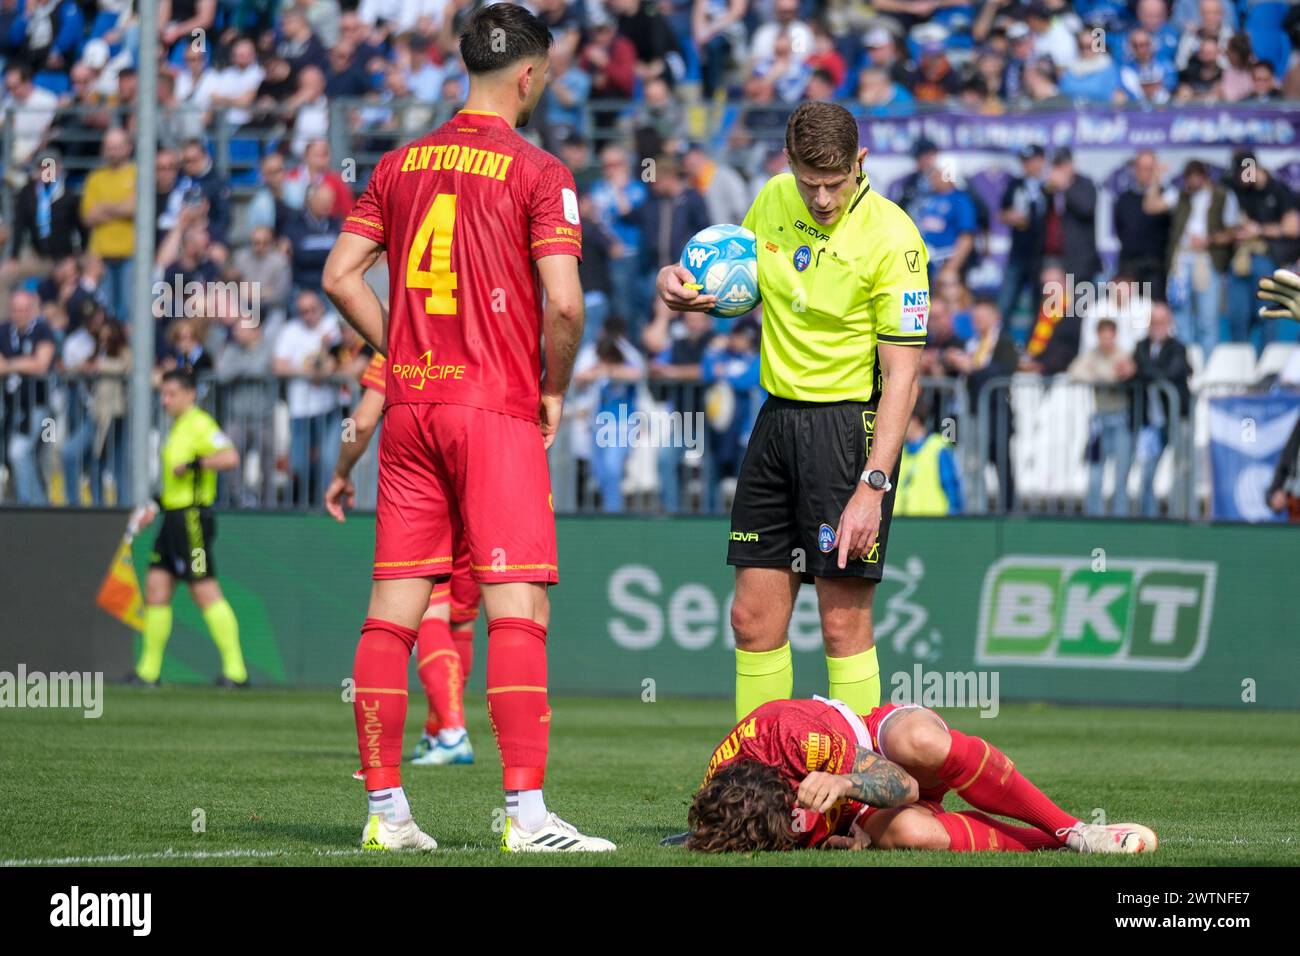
1084,129
1247,433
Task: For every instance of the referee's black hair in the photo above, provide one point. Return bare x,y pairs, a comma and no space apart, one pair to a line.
501,35
183,377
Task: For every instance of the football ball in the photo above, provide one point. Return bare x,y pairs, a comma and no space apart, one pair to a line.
724,263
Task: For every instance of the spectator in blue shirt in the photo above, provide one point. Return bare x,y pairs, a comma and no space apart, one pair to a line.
567,96
615,194
731,361
1093,76
1145,78
946,218
51,33
1153,17
612,368
878,95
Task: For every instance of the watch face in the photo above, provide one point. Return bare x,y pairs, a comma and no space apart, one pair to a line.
876,478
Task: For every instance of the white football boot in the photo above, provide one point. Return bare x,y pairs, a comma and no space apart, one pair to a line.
379,834
1111,838
553,836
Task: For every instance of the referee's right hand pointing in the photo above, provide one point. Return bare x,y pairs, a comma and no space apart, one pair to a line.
672,288
859,524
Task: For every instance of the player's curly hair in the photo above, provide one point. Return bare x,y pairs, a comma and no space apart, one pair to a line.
822,136
744,807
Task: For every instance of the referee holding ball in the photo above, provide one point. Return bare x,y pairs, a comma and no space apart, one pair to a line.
842,273
195,450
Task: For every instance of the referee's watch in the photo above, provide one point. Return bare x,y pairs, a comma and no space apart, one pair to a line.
876,480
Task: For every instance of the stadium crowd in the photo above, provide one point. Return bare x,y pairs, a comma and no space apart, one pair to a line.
670,115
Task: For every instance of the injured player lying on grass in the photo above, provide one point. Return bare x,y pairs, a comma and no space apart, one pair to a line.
811,773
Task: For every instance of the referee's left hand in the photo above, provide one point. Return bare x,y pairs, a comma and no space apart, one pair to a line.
859,524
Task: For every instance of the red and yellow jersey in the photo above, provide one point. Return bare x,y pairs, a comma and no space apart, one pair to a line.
796,737
463,214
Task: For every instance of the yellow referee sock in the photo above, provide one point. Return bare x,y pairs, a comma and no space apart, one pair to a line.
157,628
220,618
762,676
855,680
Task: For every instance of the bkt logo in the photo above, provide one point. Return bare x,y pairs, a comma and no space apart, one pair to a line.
698,255
1059,612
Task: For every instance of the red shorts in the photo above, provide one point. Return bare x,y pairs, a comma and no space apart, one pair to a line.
452,472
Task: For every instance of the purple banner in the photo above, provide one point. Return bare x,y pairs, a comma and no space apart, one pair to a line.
1190,126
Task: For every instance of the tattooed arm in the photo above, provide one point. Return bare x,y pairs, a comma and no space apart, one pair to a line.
873,780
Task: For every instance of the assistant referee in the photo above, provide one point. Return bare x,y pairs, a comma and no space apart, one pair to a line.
195,450
842,272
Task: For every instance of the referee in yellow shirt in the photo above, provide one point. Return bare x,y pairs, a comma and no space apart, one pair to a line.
842,272
195,450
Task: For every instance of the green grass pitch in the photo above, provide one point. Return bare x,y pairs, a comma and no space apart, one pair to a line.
268,773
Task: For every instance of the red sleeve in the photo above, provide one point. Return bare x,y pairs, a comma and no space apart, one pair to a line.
554,227
367,216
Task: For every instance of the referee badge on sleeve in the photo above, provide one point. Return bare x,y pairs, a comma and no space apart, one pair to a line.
916,311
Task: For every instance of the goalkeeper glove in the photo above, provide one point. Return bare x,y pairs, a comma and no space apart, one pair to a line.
1283,288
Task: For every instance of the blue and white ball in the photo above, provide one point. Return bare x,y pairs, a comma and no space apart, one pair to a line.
724,262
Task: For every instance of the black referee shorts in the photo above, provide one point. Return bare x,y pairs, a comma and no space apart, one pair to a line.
183,547
804,462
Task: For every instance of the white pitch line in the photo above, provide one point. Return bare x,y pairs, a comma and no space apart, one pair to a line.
181,855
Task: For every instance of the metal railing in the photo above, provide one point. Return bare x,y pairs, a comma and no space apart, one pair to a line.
1070,447
1024,444
65,440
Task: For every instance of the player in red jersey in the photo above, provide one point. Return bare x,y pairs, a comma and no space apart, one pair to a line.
444,650
477,226
807,773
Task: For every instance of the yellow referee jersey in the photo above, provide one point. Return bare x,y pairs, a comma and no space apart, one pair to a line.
830,294
195,434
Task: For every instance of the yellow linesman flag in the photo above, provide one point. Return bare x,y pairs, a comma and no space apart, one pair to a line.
120,594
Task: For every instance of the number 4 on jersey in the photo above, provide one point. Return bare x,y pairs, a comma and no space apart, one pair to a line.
434,237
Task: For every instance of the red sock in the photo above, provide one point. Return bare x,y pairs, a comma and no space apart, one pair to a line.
464,641
438,665
986,778
970,831
516,695
989,833
379,672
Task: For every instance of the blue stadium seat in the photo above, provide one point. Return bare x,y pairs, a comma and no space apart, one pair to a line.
245,155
